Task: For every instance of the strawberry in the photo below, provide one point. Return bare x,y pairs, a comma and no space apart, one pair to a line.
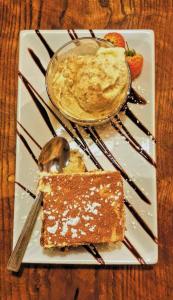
115,38
135,62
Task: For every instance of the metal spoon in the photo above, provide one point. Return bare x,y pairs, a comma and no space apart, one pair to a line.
53,157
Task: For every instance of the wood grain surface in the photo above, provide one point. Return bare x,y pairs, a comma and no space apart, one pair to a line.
57,282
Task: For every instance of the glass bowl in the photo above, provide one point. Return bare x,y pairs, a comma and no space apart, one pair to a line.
81,46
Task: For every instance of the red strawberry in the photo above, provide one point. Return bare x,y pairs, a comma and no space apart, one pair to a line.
135,62
115,38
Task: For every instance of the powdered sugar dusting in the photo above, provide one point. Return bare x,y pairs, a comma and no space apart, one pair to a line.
68,222
73,221
53,229
82,232
51,218
64,229
92,228
74,232
65,212
91,207
87,218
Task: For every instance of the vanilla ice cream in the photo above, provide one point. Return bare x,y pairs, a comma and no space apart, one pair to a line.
90,87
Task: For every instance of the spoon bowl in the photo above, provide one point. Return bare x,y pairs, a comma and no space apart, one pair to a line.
54,155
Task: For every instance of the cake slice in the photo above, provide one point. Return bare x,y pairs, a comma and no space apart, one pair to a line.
82,208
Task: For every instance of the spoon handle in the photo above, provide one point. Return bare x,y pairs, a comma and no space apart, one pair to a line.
18,252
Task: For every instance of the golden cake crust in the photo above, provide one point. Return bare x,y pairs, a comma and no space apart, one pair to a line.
82,208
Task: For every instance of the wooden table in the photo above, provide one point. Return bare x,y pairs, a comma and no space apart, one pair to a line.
67,283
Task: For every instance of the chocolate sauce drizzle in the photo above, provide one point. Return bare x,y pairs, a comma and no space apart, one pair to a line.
135,98
25,189
92,33
92,249
130,139
48,48
27,146
138,123
133,250
37,61
140,220
101,145
31,137
97,164
71,34
75,34
40,107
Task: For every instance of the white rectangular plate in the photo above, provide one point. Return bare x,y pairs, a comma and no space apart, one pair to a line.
38,121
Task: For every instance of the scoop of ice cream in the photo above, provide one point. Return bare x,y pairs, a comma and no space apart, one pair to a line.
101,79
90,86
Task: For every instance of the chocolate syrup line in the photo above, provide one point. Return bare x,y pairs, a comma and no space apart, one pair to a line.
39,106
70,34
29,135
140,220
126,130
75,34
92,250
133,143
30,89
135,120
25,189
135,98
27,146
101,145
37,61
97,164
48,48
133,250
92,33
